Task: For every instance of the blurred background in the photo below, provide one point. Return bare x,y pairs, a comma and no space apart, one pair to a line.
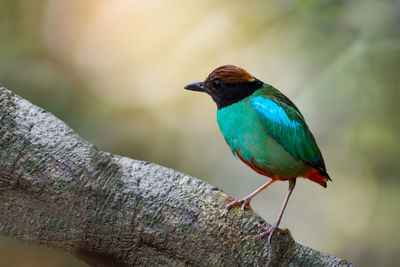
114,71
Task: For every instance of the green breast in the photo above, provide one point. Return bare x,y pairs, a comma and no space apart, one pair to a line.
245,134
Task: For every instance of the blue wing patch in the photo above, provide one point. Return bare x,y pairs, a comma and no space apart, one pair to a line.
272,111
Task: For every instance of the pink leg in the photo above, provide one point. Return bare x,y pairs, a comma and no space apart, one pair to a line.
270,230
246,201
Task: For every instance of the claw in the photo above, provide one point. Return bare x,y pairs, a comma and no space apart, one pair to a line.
245,202
268,231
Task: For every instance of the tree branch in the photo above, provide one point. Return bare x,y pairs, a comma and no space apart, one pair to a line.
59,191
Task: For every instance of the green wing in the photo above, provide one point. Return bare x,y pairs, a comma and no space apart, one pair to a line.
284,122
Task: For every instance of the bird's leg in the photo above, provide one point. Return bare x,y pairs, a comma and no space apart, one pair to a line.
246,201
270,230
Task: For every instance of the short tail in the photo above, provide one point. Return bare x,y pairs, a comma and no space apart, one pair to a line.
318,176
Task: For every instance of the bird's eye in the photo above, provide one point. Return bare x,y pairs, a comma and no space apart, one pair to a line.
216,84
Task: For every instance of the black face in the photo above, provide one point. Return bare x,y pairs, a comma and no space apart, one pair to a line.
225,94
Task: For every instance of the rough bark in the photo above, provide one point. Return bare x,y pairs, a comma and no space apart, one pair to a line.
59,191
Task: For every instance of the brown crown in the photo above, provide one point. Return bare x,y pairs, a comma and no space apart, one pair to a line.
230,74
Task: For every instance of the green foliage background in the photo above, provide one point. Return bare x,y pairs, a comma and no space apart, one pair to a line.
115,70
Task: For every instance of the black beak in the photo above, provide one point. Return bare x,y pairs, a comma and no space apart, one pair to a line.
197,86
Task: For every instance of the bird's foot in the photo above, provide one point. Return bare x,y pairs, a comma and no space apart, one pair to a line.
268,231
244,202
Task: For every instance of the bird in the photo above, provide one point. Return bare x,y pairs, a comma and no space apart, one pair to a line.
266,131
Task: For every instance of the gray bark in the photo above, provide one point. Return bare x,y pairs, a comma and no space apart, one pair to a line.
59,191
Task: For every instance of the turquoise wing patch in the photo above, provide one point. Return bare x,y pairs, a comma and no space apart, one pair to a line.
273,112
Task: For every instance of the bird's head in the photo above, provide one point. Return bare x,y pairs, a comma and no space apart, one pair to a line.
227,85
